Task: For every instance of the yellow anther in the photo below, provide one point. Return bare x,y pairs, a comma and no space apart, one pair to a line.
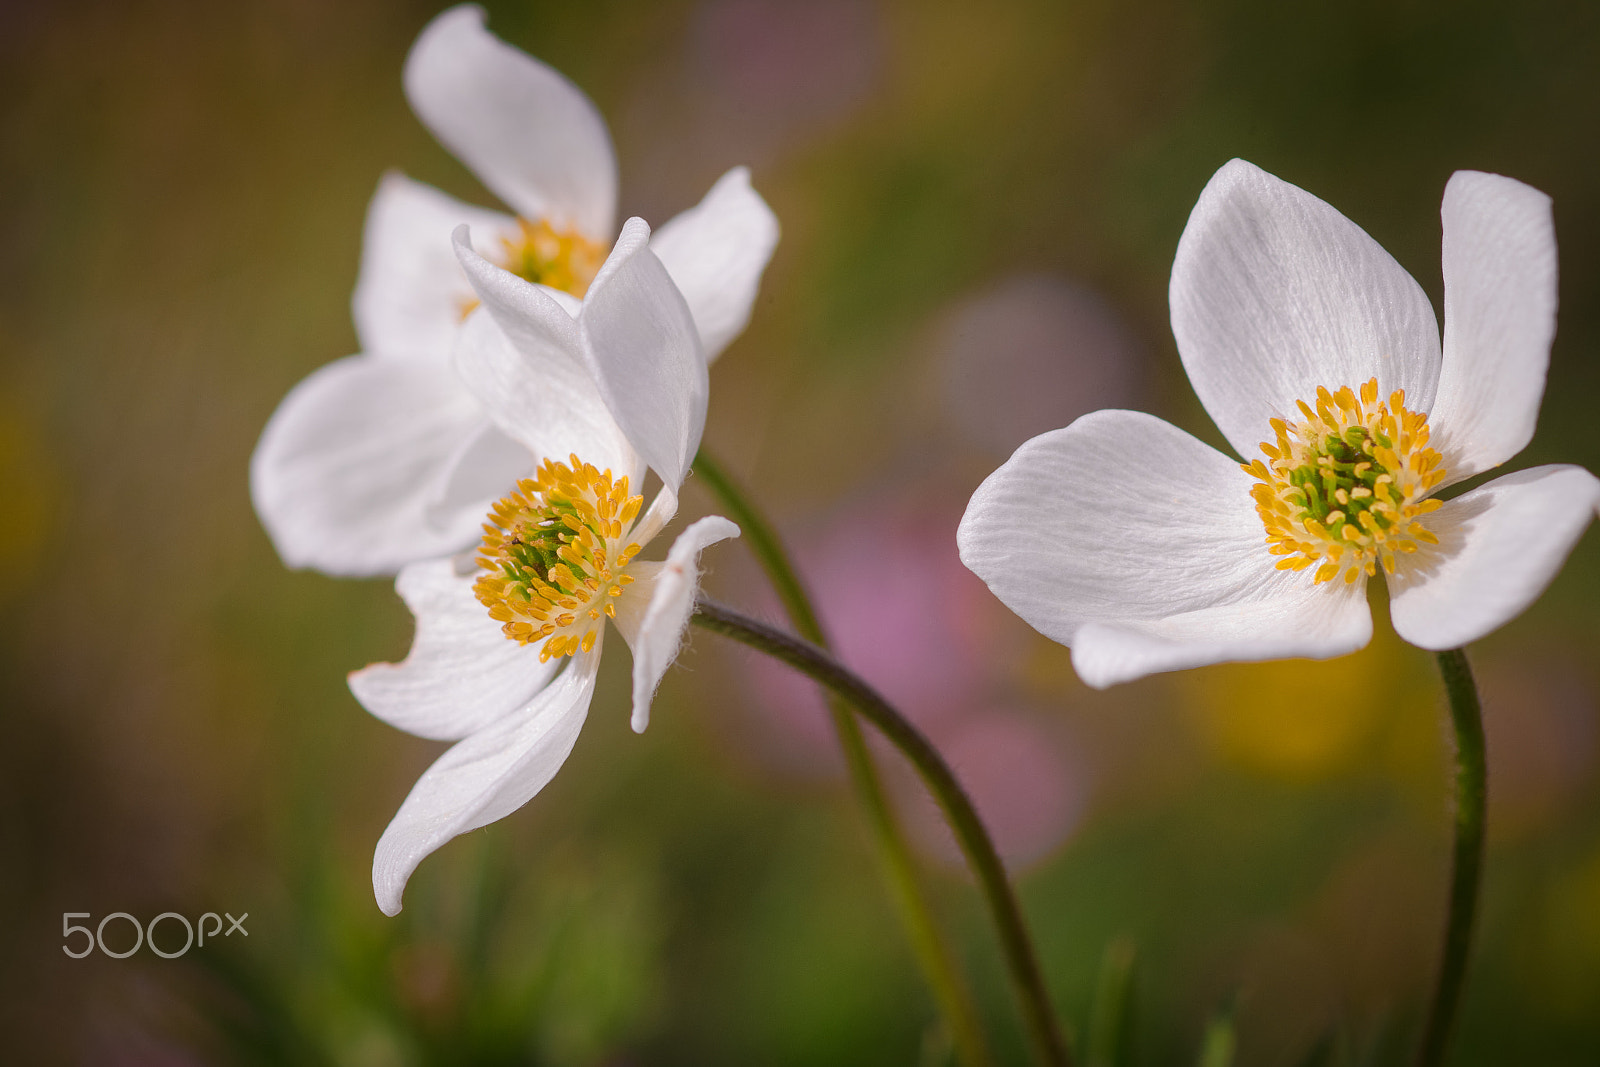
561,259
549,547
1341,487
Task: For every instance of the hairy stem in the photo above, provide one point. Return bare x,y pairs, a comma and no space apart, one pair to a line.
1471,796
1016,946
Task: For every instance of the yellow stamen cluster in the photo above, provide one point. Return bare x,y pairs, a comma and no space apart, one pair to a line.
554,556
539,253
561,259
1345,487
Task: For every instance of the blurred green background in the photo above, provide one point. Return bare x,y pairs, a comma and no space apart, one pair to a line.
980,205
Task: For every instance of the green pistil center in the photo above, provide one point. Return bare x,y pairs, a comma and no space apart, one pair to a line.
1341,478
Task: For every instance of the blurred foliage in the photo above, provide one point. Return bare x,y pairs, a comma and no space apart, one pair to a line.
182,188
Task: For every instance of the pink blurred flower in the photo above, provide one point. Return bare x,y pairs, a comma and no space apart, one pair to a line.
1029,790
902,612
899,609
769,69
1543,720
1030,353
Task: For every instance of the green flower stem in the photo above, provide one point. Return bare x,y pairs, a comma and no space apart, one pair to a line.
756,532
1471,781
941,782
933,955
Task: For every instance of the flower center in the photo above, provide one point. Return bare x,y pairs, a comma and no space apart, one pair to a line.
1345,486
553,550
564,259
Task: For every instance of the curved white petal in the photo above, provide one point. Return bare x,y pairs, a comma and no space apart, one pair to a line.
411,294
644,352
1499,319
525,361
485,777
716,252
655,517
528,133
461,674
1305,622
481,472
656,610
1139,546
1499,546
348,466
1275,293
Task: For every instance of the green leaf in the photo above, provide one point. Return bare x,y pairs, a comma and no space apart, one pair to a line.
1111,1013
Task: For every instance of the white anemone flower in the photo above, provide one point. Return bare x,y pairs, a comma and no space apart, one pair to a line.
508,644
1319,358
381,459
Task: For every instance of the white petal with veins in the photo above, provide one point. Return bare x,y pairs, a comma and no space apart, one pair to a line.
532,378
644,353
485,777
1499,319
1299,622
1500,546
1138,545
653,616
411,293
461,674
1275,293
527,132
716,252
349,466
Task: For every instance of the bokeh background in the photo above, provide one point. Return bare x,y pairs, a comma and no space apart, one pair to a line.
980,204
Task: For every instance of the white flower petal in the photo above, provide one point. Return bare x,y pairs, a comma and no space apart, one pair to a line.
1499,546
411,293
485,777
1275,293
1304,621
525,361
644,352
349,464
1499,320
655,517
528,133
462,673
715,253
654,614
1128,537
483,471
1118,516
